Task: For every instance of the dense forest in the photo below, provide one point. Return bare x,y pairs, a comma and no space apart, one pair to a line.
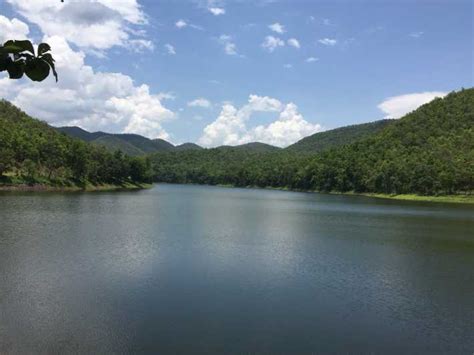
130,144
33,152
322,141
428,152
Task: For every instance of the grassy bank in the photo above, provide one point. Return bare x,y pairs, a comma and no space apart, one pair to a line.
403,197
411,197
19,183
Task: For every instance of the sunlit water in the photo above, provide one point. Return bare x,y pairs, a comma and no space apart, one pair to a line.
181,269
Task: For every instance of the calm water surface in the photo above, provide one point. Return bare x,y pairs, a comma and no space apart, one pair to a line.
180,269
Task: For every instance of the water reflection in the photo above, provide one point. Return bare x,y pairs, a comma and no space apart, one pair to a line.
199,269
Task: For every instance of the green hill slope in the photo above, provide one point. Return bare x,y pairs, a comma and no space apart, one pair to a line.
188,146
80,133
33,152
113,143
428,152
132,144
337,137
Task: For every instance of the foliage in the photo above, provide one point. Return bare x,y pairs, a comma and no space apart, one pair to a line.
321,141
18,58
130,144
38,152
428,152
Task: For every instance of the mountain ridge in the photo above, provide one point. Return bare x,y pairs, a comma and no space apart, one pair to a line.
311,144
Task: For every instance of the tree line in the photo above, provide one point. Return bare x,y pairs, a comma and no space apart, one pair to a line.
35,152
428,152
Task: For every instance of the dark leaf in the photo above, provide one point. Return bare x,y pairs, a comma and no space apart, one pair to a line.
43,48
49,59
4,60
13,46
15,69
37,69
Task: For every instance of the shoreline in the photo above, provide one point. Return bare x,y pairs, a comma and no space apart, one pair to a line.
461,199
38,187
87,188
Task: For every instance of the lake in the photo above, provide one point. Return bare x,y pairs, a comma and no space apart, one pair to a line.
196,269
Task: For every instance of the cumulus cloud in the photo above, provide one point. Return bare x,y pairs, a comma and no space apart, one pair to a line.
311,59
230,128
170,49
94,25
12,29
89,99
216,11
398,106
294,43
200,102
328,41
181,23
277,27
416,34
271,43
230,47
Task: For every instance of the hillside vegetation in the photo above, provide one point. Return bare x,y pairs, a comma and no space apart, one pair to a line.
428,152
33,152
130,144
322,141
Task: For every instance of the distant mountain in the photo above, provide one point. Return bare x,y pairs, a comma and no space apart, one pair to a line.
130,144
188,146
135,145
321,141
258,147
80,133
113,143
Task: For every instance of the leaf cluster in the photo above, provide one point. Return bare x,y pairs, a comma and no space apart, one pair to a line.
19,58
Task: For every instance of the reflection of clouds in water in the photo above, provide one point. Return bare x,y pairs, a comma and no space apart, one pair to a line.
269,243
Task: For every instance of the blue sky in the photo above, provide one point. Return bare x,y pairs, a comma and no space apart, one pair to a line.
190,67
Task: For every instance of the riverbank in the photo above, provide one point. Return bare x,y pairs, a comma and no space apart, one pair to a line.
402,197
19,184
410,197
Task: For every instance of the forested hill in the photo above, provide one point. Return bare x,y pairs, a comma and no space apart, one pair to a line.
429,151
131,144
337,137
33,152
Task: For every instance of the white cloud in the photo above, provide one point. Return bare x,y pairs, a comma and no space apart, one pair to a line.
416,34
170,49
230,128
138,45
216,11
398,106
311,59
277,27
289,128
288,66
181,24
200,102
92,25
328,41
294,43
271,43
166,96
326,22
14,29
92,100
229,46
